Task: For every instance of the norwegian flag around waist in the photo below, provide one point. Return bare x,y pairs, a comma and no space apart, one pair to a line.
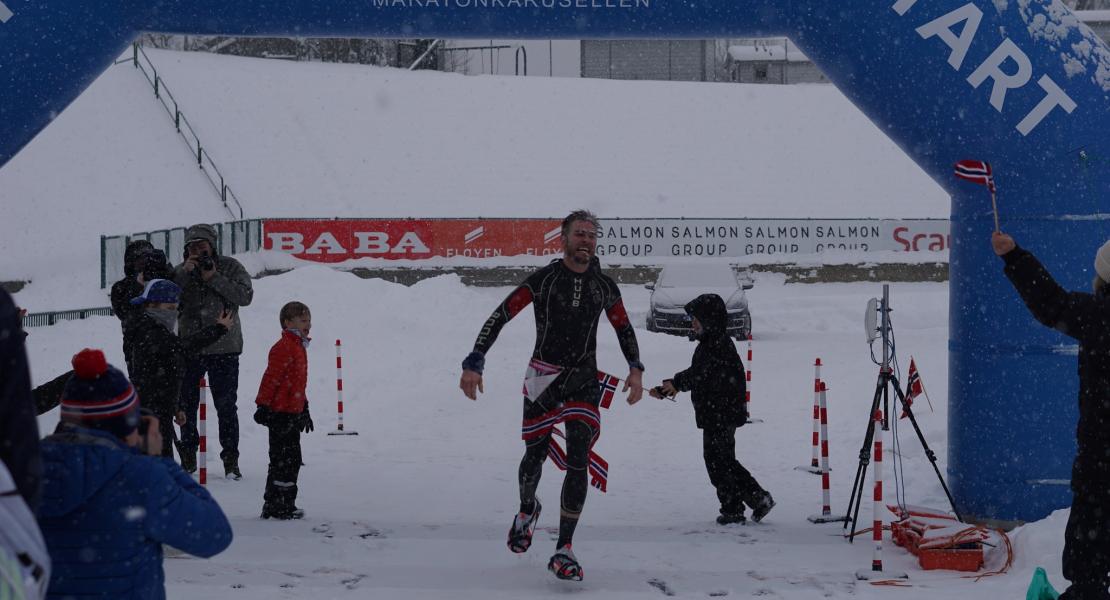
598,467
537,378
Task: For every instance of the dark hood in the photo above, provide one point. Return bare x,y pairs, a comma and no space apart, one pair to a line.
711,312
134,250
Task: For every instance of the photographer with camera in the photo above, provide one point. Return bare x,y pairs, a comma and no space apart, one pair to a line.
141,263
109,501
211,285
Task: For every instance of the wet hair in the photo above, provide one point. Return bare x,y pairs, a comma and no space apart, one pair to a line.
579,215
292,310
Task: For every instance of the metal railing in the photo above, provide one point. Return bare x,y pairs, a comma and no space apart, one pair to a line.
233,237
43,319
185,130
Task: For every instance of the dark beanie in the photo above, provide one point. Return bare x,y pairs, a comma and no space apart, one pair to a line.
99,396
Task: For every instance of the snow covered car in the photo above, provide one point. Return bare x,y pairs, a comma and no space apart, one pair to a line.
680,283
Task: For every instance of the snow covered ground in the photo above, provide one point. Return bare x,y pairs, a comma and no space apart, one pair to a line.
418,505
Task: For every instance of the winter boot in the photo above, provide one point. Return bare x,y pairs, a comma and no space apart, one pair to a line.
231,469
270,511
189,462
728,518
564,564
524,525
764,506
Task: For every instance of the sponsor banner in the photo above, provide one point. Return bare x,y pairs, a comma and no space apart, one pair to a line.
345,239
634,238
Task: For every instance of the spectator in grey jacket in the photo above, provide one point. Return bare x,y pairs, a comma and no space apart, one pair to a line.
211,284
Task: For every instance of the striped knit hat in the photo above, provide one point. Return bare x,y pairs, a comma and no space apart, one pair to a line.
99,396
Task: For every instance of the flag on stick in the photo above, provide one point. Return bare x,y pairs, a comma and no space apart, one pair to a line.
978,171
608,385
914,388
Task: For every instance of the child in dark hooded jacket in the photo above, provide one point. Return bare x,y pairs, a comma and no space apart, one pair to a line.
715,379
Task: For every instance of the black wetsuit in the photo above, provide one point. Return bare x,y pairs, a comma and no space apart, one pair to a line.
568,306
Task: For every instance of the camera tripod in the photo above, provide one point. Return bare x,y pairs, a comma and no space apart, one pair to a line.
881,400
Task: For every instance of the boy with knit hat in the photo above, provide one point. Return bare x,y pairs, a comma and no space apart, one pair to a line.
1085,317
158,355
109,502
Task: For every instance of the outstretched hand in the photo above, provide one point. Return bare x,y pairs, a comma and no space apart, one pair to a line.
664,391
471,383
633,384
1002,243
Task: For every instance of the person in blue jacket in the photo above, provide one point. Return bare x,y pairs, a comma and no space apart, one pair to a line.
109,500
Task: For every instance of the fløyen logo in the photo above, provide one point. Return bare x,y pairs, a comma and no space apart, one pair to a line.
474,235
5,13
552,235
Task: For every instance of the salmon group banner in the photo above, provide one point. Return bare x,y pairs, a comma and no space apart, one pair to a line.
336,240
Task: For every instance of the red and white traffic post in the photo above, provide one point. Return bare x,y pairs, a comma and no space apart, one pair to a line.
748,377
826,515
876,571
202,428
339,390
814,463
748,384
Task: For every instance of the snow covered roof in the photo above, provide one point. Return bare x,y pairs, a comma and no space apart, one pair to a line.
761,52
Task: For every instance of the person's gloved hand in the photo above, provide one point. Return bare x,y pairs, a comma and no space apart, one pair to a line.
306,422
262,416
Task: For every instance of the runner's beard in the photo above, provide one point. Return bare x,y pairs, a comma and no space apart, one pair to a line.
581,258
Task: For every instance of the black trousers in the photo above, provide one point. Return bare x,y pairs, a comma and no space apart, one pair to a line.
1087,542
165,427
223,385
735,485
285,461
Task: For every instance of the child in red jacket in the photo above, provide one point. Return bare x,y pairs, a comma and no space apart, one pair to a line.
283,408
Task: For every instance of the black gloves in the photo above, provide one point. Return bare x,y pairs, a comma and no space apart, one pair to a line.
262,416
268,418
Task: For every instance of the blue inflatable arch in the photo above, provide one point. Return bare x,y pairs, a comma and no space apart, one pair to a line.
1020,84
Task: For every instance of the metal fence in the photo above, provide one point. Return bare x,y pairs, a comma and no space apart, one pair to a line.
204,160
52,318
233,237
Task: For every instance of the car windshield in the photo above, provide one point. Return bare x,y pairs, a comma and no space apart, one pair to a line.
700,275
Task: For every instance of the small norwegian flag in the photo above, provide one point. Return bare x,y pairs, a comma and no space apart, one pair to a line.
608,385
914,387
976,171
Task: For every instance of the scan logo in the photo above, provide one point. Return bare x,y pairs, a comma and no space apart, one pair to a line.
5,13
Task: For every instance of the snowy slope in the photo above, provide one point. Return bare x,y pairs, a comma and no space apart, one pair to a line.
417,505
110,163
305,140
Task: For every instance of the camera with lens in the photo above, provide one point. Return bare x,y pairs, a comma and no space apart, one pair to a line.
205,262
